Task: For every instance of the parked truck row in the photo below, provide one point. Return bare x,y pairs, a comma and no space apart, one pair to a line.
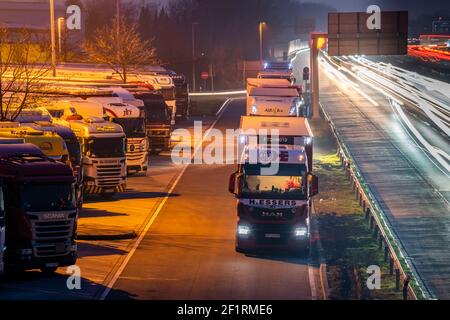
274,207
83,138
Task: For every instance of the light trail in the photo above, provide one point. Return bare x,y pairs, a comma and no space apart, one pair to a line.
431,97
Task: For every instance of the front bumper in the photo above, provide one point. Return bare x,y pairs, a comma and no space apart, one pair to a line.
272,237
92,189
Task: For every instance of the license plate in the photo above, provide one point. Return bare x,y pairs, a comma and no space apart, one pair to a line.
272,235
51,264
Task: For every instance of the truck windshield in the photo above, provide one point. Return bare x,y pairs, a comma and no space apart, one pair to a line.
289,183
47,196
156,111
133,127
74,148
105,147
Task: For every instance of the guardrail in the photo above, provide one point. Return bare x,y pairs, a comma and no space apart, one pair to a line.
412,286
217,93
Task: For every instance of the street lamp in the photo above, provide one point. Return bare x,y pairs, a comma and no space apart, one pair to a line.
261,25
193,55
60,24
52,35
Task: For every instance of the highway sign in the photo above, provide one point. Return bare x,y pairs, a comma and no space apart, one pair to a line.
357,33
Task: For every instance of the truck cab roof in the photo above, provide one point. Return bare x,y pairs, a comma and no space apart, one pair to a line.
96,126
26,162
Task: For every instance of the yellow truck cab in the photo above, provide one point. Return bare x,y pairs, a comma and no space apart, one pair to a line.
51,144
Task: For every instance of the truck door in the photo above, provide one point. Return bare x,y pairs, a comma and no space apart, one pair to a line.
2,230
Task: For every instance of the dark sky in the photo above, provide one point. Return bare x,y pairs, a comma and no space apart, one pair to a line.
415,7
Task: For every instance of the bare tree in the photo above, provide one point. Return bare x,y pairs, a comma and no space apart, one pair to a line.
22,68
121,48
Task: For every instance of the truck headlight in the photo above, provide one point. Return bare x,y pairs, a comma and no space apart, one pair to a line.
300,231
254,109
243,231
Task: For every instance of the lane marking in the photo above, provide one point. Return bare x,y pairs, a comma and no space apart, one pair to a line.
130,254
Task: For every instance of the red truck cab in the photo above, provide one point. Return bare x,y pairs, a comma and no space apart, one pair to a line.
40,213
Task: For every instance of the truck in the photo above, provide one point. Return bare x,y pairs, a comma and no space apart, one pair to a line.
40,119
2,209
161,83
158,125
271,83
277,66
284,102
132,120
294,133
103,145
39,210
182,99
273,210
277,74
50,143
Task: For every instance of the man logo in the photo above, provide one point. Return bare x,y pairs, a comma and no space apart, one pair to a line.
374,280
73,17
374,21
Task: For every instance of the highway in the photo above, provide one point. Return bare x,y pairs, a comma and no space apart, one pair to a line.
188,252
396,131
185,219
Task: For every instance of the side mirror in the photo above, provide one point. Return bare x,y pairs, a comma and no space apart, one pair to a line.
232,183
314,183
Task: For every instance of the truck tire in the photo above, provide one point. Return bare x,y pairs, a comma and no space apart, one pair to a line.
48,271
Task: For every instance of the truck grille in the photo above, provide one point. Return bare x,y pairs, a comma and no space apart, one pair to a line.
109,175
135,155
51,238
272,215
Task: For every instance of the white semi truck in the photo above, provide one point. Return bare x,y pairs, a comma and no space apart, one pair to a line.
102,142
133,123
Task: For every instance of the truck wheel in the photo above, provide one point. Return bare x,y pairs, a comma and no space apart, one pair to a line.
240,250
48,271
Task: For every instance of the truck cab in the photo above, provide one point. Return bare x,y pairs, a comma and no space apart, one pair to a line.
133,123
39,208
162,83
40,119
273,209
281,102
4,141
50,143
103,145
157,120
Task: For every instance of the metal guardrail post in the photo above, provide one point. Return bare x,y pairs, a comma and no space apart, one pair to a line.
397,279
405,287
367,213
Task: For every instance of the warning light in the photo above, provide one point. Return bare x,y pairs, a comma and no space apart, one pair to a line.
320,43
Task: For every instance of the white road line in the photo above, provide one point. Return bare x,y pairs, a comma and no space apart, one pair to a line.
158,210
